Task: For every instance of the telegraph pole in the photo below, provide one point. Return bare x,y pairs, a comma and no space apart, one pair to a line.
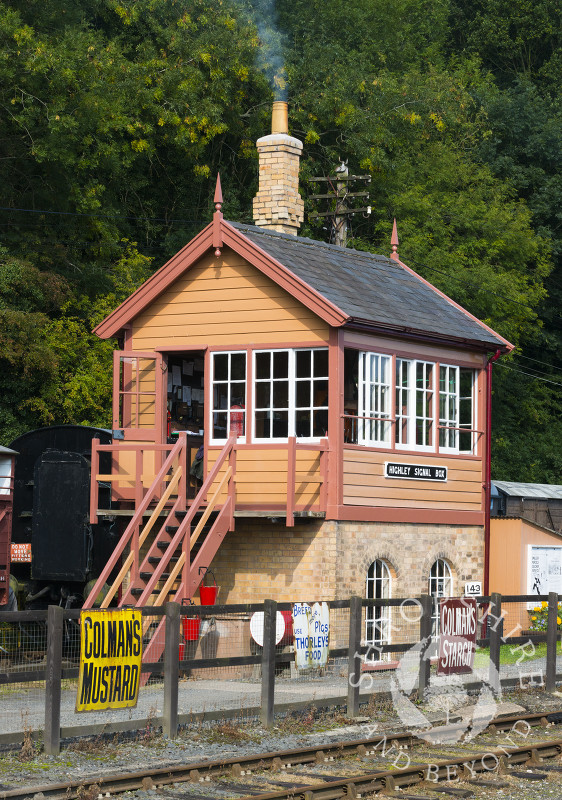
339,196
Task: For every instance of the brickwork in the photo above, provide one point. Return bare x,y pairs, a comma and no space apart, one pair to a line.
278,205
329,560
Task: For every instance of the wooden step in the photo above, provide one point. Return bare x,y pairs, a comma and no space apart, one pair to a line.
156,560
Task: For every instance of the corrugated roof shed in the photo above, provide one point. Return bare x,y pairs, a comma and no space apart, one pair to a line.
545,491
370,288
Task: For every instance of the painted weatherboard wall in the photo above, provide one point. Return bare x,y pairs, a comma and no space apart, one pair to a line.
509,538
223,302
364,482
261,477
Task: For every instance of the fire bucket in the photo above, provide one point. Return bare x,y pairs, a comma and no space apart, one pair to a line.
190,628
208,594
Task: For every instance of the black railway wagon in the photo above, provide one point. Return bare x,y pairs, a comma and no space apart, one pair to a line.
51,512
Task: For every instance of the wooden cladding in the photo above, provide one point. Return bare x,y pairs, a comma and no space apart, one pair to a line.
261,477
221,301
364,482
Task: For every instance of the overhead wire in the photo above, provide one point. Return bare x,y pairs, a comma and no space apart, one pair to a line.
529,374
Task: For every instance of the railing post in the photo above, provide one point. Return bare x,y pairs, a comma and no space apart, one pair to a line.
291,473
171,670
495,633
324,473
426,603
354,656
95,468
55,616
551,641
184,480
138,501
232,485
268,663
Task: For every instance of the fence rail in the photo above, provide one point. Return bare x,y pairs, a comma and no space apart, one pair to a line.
40,651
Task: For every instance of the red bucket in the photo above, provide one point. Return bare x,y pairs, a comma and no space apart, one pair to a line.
208,595
190,627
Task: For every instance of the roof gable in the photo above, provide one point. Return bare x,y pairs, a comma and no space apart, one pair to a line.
340,285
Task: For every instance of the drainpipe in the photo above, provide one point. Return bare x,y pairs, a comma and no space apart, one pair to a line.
488,470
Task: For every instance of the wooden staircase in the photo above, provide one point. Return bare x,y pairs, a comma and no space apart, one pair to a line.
176,543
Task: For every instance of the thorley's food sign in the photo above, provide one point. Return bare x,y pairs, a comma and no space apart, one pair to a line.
457,635
110,659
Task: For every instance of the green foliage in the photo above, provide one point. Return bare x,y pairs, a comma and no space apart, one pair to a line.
117,114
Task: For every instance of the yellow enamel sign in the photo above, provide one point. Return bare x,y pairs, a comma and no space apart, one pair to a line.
110,659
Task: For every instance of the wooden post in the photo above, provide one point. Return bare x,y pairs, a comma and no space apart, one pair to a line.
232,485
55,616
426,603
291,473
551,641
268,663
495,632
354,657
171,670
95,468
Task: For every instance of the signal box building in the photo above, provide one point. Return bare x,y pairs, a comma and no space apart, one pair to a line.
340,401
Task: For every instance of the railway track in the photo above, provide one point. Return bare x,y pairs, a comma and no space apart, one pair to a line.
363,767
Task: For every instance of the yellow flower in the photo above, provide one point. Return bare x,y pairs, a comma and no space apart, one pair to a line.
544,604
558,621
537,608
533,618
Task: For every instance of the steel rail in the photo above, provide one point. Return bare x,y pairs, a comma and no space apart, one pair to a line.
196,771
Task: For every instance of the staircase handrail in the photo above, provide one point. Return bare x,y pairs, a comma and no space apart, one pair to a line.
187,520
136,518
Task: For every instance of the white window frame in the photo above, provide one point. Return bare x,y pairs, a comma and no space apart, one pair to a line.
231,394
453,420
411,418
439,584
378,616
373,392
293,380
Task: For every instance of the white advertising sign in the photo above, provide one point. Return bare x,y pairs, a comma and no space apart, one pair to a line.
256,627
544,569
311,631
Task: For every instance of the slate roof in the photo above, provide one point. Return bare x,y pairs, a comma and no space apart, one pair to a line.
370,288
544,491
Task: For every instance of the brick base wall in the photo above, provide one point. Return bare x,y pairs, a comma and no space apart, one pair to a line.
325,560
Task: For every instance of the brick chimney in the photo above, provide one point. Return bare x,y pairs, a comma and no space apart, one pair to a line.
278,204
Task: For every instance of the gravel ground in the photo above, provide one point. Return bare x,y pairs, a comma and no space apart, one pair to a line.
84,759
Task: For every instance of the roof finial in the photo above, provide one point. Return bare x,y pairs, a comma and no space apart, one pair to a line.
394,242
217,217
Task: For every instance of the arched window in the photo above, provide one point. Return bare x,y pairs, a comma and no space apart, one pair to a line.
377,618
440,584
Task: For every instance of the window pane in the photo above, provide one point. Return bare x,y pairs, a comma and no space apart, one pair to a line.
221,366
303,394
320,393
303,363
320,363
302,423
263,395
281,394
262,424
281,365
238,366
220,395
219,425
263,365
281,424
320,427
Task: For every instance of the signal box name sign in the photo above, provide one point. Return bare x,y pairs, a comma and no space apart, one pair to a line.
110,659
457,635
415,472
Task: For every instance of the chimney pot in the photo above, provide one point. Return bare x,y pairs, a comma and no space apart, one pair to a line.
280,117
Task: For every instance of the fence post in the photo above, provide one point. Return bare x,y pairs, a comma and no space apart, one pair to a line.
495,633
354,657
268,663
55,616
171,670
426,603
551,641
